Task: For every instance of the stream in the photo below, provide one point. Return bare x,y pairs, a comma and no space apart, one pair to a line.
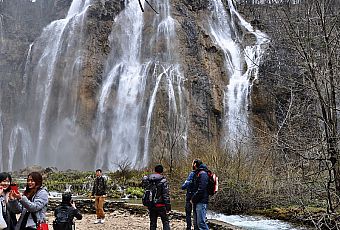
252,222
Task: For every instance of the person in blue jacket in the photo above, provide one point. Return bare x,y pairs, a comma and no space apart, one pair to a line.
188,185
200,197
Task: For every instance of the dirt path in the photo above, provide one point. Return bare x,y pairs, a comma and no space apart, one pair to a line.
119,220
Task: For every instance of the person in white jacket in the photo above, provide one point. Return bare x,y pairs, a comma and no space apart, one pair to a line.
32,204
9,217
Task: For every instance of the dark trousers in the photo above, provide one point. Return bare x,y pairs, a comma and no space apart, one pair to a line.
188,210
159,212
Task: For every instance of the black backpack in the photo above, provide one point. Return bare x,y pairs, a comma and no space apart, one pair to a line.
150,196
62,220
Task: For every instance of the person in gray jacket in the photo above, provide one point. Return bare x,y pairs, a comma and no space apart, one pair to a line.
32,204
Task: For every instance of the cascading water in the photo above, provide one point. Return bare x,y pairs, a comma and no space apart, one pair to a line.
133,78
1,31
241,64
117,124
49,115
142,77
24,139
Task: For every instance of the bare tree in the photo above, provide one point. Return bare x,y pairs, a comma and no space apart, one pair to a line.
124,169
306,44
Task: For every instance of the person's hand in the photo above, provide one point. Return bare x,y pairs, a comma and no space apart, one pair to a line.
14,195
168,208
1,190
73,204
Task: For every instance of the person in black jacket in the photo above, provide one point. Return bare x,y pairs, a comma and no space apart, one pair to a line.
162,204
65,213
99,191
200,197
188,185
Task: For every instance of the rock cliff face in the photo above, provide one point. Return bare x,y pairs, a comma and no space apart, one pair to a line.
202,64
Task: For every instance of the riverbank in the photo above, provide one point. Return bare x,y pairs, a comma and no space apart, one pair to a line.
124,220
128,216
119,220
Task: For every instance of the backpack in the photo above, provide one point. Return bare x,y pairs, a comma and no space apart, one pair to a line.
150,197
212,183
62,221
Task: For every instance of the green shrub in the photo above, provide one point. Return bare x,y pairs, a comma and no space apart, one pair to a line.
135,191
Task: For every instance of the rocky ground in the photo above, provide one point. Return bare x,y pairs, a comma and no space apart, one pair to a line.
124,220
119,220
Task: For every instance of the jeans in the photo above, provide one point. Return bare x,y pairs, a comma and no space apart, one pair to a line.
159,212
188,210
200,214
99,204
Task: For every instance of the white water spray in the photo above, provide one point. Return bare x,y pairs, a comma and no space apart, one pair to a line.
131,85
241,64
1,31
54,59
20,135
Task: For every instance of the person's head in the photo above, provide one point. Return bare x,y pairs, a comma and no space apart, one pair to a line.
159,168
66,198
5,181
34,183
98,172
34,180
196,164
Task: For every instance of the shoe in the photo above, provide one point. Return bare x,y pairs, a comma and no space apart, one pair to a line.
98,221
102,221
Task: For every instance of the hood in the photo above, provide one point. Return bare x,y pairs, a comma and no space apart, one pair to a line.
203,166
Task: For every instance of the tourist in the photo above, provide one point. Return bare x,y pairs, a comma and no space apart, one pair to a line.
161,203
65,214
32,204
188,185
99,191
9,217
200,197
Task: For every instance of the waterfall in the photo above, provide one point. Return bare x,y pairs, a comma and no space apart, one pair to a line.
48,114
24,139
242,67
269,1
117,124
141,105
133,76
167,70
25,77
1,31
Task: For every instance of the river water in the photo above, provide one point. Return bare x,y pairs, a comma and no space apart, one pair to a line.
253,222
